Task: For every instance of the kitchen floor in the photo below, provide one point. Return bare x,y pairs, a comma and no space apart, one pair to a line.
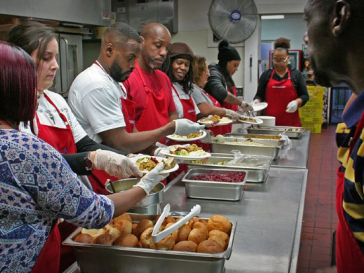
319,219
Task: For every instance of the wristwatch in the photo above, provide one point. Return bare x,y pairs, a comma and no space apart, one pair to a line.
88,162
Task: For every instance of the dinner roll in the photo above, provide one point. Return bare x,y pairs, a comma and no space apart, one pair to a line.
219,236
220,223
105,239
124,216
84,238
197,235
188,246
166,243
126,239
124,226
209,246
192,221
182,233
142,226
202,227
146,237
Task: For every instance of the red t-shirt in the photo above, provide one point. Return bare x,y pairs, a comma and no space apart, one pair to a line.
136,92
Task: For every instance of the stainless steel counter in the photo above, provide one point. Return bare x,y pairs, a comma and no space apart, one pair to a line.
269,216
267,235
297,156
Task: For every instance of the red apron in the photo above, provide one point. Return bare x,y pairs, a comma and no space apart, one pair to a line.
227,128
97,177
155,113
48,259
217,129
62,140
278,94
349,257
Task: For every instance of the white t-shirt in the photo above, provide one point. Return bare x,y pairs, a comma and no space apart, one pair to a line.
95,99
48,115
182,96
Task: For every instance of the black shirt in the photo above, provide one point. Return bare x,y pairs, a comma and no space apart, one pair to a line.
297,79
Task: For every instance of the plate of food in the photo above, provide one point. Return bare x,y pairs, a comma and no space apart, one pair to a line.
190,137
259,106
250,120
147,163
186,152
215,120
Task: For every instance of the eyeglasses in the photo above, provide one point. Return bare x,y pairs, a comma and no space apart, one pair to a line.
280,61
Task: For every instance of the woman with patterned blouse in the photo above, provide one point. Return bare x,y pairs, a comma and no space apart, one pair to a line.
37,186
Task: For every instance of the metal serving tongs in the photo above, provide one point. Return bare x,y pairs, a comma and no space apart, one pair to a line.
157,237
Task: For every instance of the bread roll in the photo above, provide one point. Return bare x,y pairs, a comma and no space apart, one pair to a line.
84,238
219,236
202,227
166,243
197,235
168,219
209,246
105,239
124,226
188,246
124,216
146,237
220,223
114,232
142,226
182,233
192,221
126,239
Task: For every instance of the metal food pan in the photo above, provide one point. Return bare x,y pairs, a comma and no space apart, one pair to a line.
213,190
92,258
267,142
291,132
272,151
258,136
256,173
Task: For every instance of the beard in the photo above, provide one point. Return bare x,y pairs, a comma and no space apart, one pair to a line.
151,62
116,72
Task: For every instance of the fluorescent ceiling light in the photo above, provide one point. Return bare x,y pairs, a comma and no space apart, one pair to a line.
267,17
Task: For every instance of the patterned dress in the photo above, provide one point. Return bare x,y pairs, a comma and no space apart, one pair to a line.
36,188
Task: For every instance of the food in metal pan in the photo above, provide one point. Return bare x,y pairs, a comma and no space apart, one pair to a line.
263,136
232,177
149,163
198,235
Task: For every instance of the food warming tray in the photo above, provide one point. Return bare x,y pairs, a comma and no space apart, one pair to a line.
257,168
271,148
227,191
291,132
92,258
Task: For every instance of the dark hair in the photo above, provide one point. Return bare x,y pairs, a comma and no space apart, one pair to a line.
187,82
30,36
18,82
282,43
199,66
121,33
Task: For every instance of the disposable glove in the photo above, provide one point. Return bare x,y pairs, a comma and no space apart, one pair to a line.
246,107
116,165
151,179
185,127
292,106
232,114
159,149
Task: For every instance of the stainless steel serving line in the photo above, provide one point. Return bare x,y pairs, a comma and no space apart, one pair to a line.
269,218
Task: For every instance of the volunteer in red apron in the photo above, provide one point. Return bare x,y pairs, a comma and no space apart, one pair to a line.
283,88
349,249
220,84
148,87
206,103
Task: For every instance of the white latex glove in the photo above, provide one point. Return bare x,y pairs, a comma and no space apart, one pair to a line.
116,165
232,114
185,127
245,106
292,106
151,179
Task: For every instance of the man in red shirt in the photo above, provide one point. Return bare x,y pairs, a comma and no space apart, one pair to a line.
148,87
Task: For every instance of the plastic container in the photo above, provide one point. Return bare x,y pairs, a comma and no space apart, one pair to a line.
309,112
315,128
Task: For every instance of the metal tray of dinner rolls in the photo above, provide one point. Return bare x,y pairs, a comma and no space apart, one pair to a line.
93,258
